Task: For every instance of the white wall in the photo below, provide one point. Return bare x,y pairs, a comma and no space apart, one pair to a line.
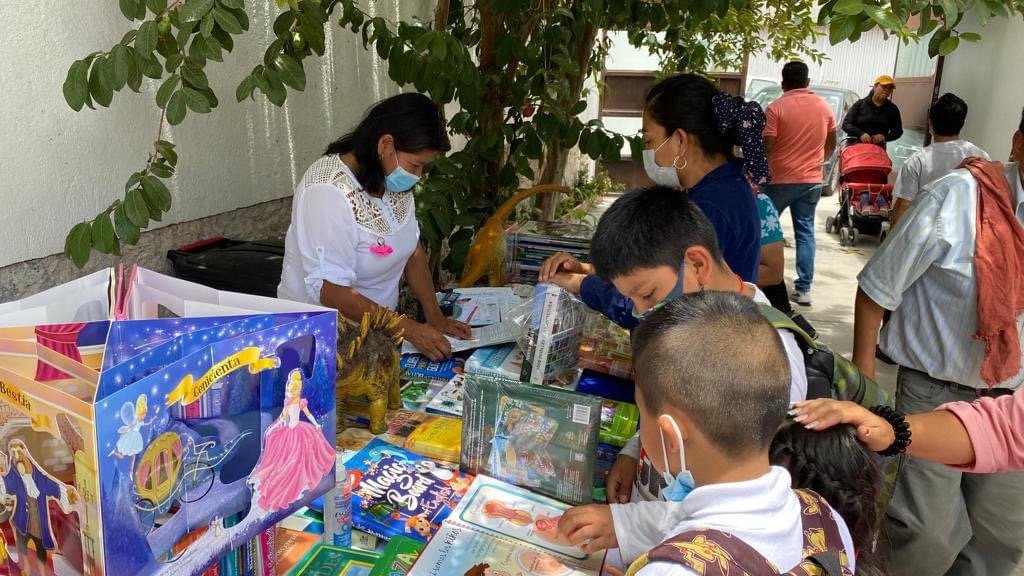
850,65
987,75
58,167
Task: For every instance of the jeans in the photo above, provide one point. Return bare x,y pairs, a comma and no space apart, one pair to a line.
803,199
945,522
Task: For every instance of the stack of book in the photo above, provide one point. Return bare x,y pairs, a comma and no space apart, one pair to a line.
530,244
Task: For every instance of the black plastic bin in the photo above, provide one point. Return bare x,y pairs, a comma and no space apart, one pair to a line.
250,267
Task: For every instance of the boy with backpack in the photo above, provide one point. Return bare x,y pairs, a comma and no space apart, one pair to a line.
712,385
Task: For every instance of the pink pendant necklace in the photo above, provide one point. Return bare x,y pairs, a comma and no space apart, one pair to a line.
382,248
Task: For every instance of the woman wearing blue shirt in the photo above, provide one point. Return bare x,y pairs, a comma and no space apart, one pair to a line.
690,129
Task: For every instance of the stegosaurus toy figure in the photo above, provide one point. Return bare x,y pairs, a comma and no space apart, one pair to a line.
487,254
369,364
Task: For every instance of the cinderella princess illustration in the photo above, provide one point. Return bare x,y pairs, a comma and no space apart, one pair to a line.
296,456
130,443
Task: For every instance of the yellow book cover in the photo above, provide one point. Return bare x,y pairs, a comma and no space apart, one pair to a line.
438,437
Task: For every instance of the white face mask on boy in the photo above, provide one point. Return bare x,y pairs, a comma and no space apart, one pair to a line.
680,485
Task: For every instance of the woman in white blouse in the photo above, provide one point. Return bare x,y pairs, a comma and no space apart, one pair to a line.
354,233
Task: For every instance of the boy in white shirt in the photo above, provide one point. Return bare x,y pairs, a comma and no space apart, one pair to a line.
945,120
712,385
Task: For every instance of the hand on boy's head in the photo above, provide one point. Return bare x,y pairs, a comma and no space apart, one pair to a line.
562,262
872,430
589,527
620,479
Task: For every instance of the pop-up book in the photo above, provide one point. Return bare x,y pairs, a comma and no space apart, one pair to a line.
150,425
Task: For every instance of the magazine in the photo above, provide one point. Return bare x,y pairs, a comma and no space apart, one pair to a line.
503,529
396,492
505,361
540,437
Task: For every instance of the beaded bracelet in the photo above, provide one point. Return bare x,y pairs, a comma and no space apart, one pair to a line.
900,428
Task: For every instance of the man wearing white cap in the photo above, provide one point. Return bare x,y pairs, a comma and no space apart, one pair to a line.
875,118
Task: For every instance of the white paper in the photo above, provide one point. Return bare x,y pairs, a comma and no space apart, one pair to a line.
500,333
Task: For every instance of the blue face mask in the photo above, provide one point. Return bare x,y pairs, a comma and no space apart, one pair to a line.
680,485
400,180
676,292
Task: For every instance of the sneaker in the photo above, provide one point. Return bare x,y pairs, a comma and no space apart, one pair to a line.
800,297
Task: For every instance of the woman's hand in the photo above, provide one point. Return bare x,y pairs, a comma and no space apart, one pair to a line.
620,479
563,262
872,430
427,339
452,328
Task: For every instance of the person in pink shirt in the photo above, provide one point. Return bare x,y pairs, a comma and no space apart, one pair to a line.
983,436
799,134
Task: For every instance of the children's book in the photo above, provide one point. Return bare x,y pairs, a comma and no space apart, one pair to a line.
398,558
336,561
553,330
540,437
419,365
449,400
505,361
503,529
418,391
432,435
292,547
396,492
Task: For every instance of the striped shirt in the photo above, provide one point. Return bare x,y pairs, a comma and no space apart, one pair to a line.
924,273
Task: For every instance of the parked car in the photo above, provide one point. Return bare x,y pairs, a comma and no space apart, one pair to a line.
840,100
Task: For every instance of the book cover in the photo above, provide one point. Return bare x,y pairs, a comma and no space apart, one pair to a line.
504,361
435,436
554,329
396,492
420,390
336,561
448,400
398,557
539,437
419,365
502,529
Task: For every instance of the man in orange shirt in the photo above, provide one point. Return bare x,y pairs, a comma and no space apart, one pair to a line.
799,135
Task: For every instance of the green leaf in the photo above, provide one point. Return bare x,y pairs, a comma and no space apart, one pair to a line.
145,41
950,11
163,94
194,10
135,208
156,193
78,243
125,230
161,170
238,4
102,92
76,85
176,109
194,76
156,6
439,48
949,45
936,40
166,150
128,8
196,101
849,7
150,66
842,28
134,72
122,65
291,71
228,22
214,49
245,88
886,19
970,37
206,26
172,62
103,234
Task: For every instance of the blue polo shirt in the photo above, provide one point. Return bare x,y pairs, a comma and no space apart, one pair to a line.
725,197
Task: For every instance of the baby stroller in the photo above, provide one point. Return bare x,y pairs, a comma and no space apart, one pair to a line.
864,194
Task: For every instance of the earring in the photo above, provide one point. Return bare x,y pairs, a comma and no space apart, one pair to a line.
683,167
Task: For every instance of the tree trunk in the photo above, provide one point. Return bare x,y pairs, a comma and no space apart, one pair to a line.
556,156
